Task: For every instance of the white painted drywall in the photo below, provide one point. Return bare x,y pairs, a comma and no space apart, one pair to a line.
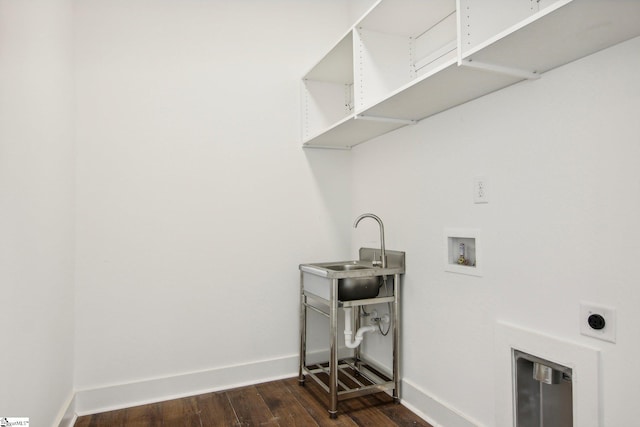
561,160
196,202
36,210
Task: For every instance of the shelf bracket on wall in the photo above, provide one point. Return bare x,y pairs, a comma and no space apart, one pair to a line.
515,72
386,119
325,147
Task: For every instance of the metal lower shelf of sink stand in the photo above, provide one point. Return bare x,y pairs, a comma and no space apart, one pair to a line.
351,377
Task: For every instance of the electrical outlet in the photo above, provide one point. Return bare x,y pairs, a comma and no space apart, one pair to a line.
598,322
480,190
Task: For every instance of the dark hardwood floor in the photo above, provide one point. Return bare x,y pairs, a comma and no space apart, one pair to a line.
278,403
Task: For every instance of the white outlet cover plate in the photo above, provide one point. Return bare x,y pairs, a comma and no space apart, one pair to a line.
480,194
608,333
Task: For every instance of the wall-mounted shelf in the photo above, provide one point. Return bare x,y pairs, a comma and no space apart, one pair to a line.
406,60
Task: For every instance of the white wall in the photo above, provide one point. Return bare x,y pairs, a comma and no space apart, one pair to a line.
196,202
561,159
36,209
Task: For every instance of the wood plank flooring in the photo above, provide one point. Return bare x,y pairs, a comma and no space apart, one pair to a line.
279,403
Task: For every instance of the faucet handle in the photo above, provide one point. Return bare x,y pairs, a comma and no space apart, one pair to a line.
375,262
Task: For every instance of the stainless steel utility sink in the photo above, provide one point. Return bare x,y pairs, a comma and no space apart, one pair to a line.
358,279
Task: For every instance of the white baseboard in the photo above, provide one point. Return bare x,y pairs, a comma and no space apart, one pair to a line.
121,396
422,402
96,400
67,417
441,414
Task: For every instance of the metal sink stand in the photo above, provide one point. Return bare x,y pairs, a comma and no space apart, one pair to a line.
367,377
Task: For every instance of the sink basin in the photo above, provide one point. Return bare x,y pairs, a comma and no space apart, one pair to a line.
345,267
358,287
352,288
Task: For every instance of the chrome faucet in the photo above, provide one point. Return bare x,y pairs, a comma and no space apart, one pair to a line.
383,254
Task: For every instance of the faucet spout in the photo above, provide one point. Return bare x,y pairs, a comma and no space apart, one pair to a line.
383,254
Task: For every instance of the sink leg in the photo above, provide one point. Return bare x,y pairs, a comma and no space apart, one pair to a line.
303,332
396,337
333,339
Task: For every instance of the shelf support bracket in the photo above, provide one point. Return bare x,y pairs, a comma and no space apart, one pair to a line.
386,119
515,72
325,147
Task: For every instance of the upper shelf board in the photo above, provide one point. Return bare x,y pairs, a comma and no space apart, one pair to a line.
350,132
337,65
408,18
445,87
561,33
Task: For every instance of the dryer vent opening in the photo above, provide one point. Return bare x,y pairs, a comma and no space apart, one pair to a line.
543,392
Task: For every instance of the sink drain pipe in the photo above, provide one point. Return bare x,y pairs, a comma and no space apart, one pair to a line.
348,332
